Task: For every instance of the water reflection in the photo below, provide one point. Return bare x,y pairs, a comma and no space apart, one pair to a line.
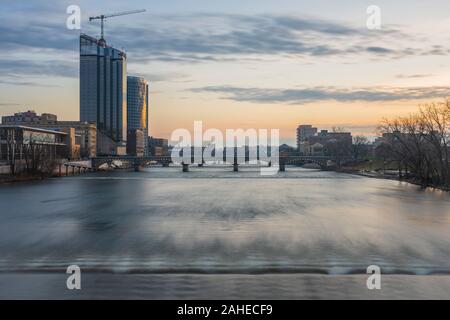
217,221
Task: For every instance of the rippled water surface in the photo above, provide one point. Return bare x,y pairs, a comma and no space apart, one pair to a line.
211,220
214,221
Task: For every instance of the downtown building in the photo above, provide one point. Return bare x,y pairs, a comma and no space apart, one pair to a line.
83,141
103,93
311,142
158,146
137,116
304,132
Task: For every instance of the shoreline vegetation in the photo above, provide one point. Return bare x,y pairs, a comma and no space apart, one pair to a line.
390,175
360,170
418,145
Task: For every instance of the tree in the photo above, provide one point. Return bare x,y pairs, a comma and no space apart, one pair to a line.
360,147
436,122
39,158
420,143
338,149
385,152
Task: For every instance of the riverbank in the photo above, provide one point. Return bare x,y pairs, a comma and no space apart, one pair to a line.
61,170
4,179
379,175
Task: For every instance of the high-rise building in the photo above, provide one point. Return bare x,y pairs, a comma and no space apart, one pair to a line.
103,88
304,131
137,108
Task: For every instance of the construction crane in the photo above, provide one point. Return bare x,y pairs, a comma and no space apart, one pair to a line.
102,17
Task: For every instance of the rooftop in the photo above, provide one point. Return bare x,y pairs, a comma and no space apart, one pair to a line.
101,43
31,129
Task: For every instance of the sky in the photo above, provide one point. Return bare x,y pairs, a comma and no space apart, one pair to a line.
238,64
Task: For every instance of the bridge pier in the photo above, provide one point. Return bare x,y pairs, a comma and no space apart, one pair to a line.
235,166
185,167
136,165
282,164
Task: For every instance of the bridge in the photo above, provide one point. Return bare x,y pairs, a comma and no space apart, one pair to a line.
165,161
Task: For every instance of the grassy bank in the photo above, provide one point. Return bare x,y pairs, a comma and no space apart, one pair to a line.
377,169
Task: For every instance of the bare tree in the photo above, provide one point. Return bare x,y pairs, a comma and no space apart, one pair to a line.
360,147
436,122
338,149
420,143
385,152
39,159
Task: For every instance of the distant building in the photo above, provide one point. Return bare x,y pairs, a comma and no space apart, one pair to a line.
56,144
345,137
72,143
135,143
317,149
29,117
108,147
304,131
137,108
312,142
332,143
103,91
158,146
85,133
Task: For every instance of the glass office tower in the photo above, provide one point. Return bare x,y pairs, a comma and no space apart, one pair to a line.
137,104
103,87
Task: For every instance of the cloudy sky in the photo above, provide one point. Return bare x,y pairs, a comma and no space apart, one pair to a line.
238,64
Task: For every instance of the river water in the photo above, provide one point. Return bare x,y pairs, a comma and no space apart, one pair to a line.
213,233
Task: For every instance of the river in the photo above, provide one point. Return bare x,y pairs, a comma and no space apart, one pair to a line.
214,233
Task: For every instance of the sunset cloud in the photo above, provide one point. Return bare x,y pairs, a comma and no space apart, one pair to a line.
316,94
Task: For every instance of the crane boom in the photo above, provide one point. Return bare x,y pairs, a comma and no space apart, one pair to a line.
102,17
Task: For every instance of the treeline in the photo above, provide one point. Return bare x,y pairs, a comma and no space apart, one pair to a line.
419,144
31,159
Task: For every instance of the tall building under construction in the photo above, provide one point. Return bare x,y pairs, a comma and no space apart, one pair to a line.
103,92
